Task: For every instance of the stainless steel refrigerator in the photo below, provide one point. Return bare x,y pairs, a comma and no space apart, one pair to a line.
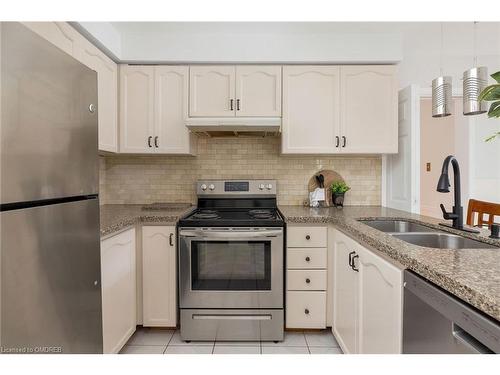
50,246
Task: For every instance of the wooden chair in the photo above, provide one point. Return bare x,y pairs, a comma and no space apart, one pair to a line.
482,208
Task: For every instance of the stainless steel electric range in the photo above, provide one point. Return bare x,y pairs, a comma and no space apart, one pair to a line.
231,255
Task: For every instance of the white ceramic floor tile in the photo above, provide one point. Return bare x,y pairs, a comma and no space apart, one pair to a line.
151,336
285,350
322,338
291,339
222,349
324,350
189,349
237,343
177,341
143,349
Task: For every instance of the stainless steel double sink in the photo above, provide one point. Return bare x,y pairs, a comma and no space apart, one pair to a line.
421,235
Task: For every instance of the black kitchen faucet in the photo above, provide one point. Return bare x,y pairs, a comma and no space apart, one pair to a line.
443,186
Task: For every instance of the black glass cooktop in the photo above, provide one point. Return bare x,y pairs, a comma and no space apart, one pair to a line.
233,217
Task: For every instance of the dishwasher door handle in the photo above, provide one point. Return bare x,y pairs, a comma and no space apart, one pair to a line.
468,340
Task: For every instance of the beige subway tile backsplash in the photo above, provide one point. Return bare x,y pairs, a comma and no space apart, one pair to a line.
147,179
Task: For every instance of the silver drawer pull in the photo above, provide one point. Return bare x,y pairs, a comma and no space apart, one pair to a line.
231,317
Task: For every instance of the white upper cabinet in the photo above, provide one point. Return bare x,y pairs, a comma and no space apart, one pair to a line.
171,110
137,91
258,91
107,88
60,34
340,109
310,109
368,114
153,110
211,91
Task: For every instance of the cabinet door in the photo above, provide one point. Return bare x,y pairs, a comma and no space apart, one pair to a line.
60,34
369,109
137,109
159,276
118,290
211,91
310,109
380,305
107,87
171,110
345,284
258,90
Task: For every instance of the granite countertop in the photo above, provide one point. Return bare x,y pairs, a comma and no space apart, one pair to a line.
473,275
115,217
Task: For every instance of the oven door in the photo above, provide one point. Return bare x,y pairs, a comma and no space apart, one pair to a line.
231,268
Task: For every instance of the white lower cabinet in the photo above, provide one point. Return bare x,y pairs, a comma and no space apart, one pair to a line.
306,280
367,299
305,309
159,276
118,278
345,285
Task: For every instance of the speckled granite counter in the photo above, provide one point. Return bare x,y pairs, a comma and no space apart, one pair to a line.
115,217
473,275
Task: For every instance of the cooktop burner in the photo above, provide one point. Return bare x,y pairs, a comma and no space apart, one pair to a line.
206,214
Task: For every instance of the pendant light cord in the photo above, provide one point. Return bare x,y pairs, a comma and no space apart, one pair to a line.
475,44
441,53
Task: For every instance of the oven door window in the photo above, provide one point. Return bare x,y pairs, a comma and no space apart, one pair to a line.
231,265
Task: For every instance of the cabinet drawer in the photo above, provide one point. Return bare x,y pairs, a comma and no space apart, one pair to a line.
306,258
306,280
306,310
306,237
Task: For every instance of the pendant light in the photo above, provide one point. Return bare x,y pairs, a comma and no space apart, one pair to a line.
475,80
441,89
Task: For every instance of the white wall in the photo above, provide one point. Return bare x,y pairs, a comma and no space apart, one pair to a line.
485,160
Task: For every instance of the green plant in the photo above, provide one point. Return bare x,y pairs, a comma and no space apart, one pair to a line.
339,187
492,94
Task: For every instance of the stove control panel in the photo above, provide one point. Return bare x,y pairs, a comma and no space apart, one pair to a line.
236,187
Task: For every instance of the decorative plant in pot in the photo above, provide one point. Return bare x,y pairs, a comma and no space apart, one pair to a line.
339,188
492,94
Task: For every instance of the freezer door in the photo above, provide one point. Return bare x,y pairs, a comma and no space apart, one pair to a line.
48,132
50,279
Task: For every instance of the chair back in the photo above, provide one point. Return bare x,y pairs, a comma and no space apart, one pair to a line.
482,208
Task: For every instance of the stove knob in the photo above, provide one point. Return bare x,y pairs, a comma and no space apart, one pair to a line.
261,186
203,187
211,186
269,186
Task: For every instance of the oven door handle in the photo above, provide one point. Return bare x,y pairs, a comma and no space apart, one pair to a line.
230,234
232,317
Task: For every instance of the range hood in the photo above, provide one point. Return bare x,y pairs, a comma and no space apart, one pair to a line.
235,126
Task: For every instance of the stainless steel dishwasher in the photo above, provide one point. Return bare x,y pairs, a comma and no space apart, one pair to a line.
436,322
